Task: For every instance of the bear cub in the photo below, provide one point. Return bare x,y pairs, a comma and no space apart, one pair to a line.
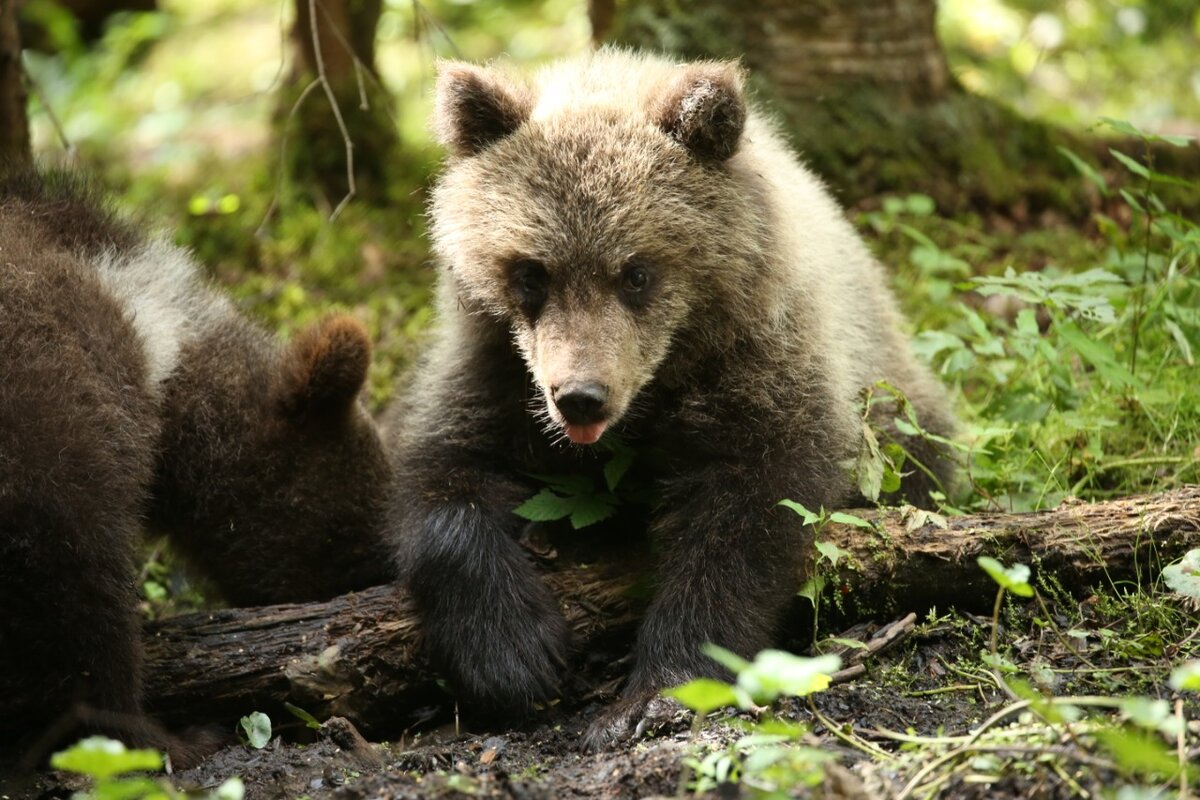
627,247
133,395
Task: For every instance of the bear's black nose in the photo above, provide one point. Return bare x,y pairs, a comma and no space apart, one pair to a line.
581,402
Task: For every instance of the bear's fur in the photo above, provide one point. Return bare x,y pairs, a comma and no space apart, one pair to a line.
626,245
133,395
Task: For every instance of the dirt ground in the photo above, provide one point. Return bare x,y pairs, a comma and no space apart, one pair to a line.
931,683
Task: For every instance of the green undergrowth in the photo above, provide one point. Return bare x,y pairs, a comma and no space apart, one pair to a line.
1072,352
1048,698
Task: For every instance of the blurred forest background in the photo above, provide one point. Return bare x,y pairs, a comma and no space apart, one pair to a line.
1053,282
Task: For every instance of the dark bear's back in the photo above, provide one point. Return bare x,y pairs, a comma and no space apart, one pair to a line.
77,438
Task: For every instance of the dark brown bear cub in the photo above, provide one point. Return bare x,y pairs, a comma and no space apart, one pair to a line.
627,247
133,395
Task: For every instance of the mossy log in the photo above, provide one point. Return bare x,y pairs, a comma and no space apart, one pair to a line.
357,655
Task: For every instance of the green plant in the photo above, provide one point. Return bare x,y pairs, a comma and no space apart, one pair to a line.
578,497
769,757
118,773
255,730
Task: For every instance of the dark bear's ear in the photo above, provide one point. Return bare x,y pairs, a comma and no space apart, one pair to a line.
704,110
475,107
325,367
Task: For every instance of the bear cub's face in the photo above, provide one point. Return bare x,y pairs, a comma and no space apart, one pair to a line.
593,228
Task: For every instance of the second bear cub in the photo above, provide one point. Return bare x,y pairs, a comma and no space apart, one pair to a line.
134,395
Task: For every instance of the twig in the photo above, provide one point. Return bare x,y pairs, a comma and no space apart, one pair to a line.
1181,727
45,101
283,142
337,111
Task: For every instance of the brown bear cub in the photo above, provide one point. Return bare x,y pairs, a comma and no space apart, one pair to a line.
626,247
133,395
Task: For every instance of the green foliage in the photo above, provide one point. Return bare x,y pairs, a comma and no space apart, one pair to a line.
103,758
579,498
770,757
299,713
1014,579
255,729
111,766
1075,364
1184,575
1072,62
1186,677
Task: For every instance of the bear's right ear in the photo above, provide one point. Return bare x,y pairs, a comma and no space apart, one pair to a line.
704,110
475,107
325,367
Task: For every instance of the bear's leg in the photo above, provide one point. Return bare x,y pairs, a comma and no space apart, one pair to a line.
69,635
488,621
731,557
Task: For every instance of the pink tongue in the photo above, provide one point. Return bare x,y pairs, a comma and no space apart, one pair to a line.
585,434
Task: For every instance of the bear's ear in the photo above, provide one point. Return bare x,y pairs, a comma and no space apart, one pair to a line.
325,367
475,107
704,110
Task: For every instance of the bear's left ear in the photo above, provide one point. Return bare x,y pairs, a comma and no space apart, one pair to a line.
476,107
704,109
325,367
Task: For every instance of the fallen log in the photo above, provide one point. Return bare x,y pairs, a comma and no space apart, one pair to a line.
357,655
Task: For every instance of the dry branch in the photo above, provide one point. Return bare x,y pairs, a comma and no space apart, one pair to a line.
356,655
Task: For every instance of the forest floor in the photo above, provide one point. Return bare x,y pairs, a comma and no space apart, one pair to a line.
927,719
929,688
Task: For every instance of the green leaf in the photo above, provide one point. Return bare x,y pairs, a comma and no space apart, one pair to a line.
849,519
1014,579
592,508
257,727
545,506
726,658
811,589
1128,129
830,552
1140,753
1133,166
1186,677
704,695
1153,714
1184,575
809,517
1181,341
617,466
1086,170
299,713
853,644
920,205
775,673
128,788
1100,356
232,789
101,757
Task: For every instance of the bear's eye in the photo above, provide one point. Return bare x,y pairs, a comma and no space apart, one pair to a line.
635,284
530,283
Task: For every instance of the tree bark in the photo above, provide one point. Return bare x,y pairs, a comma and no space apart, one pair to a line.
358,655
809,49
865,92
14,124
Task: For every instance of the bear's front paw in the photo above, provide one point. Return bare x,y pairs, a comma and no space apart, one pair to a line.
632,717
503,651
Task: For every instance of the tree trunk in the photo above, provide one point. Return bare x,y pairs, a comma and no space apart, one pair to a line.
14,124
357,655
869,101
342,53
808,49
